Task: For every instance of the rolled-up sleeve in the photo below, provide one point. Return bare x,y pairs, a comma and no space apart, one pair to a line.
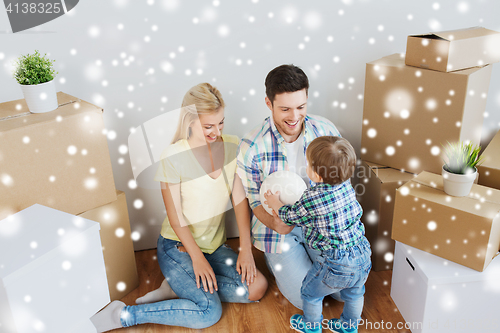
249,172
294,214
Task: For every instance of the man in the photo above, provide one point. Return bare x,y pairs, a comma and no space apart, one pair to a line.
279,143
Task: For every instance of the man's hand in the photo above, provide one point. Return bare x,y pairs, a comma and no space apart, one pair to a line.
279,226
273,200
271,222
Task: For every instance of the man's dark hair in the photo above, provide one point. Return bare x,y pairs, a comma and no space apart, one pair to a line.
285,78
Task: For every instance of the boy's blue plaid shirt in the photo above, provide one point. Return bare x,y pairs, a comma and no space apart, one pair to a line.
329,216
261,152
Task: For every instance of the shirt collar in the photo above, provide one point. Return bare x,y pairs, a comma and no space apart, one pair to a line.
277,134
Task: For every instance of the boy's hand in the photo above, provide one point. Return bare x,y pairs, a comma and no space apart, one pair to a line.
273,200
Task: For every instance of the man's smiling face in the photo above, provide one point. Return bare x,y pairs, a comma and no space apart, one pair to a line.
289,110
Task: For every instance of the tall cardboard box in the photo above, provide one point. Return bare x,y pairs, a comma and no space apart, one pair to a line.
59,159
117,245
489,170
410,112
453,50
465,230
437,296
376,194
52,273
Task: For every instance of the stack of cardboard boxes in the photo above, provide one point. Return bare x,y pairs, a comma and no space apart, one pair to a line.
414,104
60,160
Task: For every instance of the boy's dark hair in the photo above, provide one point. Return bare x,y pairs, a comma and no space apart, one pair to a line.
332,158
285,78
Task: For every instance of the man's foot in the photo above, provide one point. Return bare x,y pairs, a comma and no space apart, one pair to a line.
297,323
108,318
161,294
335,325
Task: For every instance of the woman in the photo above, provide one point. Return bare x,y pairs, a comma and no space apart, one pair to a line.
197,176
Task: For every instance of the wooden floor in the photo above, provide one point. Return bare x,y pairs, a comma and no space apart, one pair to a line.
272,313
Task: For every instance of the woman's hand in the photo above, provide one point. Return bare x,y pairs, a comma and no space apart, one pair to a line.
204,272
245,266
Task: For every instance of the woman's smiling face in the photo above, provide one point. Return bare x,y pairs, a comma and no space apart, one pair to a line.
208,127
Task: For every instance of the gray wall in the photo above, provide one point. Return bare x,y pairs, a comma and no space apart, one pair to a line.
149,52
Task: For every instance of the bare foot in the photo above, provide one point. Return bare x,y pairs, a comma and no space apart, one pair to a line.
161,294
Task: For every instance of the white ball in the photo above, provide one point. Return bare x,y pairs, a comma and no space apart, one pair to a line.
289,184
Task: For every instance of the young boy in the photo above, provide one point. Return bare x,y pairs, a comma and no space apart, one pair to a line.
330,218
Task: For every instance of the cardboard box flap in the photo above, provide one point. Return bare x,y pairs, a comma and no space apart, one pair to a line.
436,270
375,165
428,36
482,201
28,225
15,114
19,107
395,60
390,175
452,35
491,155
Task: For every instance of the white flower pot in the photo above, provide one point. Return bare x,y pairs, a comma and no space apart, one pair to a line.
40,97
458,185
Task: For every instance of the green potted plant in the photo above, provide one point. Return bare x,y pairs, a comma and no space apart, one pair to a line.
459,171
35,73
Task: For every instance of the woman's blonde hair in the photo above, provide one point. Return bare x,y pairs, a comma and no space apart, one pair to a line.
200,99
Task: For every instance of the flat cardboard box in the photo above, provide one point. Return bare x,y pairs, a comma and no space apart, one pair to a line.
453,50
489,170
437,296
410,112
465,230
117,245
376,193
59,159
52,271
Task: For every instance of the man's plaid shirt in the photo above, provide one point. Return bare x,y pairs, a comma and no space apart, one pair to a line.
262,152
329,216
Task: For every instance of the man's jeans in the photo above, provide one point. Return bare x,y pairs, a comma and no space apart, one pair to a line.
344,271
195,308
291,266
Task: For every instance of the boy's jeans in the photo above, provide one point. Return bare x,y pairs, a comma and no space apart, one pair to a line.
343,271
195,308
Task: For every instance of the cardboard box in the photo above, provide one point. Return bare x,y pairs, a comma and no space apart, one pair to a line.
437,296
117,245
465,230
376,192
410,112
454,49
489,170
52,271
59,159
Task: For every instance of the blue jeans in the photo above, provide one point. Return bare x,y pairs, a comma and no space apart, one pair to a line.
195,308
344,271
291,266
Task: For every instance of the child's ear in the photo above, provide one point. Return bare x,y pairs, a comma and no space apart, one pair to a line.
318,178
